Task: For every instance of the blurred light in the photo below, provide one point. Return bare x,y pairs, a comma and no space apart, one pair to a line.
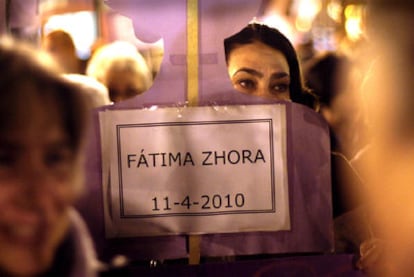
334,10
80,25
49,5
351,11
277,21
308,8
303,24
353,28
353,21
306,11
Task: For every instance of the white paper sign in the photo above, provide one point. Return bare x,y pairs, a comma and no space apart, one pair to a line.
194,170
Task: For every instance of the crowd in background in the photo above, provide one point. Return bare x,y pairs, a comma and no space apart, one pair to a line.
118,65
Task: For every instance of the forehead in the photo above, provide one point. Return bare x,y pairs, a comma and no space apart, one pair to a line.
257,55
30,113
39,135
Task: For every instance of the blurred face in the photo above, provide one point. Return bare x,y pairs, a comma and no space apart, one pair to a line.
36,189
123,85
62,53
259,70
54,47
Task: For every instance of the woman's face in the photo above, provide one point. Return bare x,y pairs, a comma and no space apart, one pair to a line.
259,70
123,84
37,185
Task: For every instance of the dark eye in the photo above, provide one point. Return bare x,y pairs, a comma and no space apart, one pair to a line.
57,158
9,162
279,88
7,158
247,84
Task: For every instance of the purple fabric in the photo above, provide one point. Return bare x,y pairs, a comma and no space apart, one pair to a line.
307,138
310,196
91,208
167,19
309,191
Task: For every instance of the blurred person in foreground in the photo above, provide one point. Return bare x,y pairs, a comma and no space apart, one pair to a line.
43,121
122,69
334,78
387,165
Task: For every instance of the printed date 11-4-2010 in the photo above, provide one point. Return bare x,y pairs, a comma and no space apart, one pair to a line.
204,202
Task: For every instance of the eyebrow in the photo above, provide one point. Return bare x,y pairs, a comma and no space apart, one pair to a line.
12,144
280,75
252,71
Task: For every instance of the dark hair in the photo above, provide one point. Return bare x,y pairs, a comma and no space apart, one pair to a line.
23,74
63,38
325,74
276,40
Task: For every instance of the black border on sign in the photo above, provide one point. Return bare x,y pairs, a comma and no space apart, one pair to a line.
158,124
